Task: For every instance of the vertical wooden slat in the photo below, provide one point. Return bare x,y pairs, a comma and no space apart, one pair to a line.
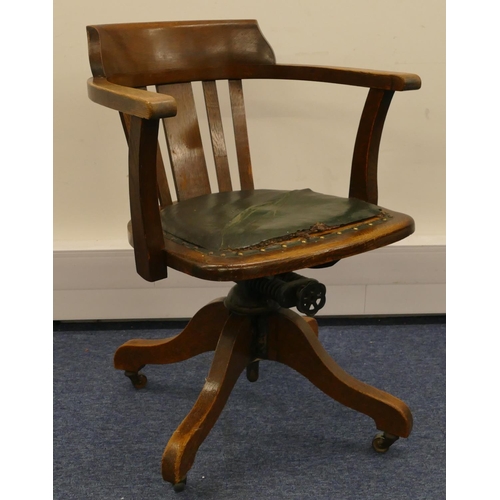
184,143
217,136
241,134
163,190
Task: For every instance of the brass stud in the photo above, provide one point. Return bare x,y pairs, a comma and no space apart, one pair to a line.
240,253
262,249
284,246
355,228
303,241
222,254
370,223
384,219
339,232
321,237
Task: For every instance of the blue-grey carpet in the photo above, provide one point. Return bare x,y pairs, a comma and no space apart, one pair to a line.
277,438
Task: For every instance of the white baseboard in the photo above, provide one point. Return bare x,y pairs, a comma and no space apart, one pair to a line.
103,285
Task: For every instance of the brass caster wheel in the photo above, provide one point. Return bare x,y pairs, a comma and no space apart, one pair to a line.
178,487
138,379
383,441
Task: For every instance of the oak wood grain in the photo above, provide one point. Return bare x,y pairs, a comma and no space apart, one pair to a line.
133,101
150,51
241,134
363,182
163,190
185,146
292,342
141,54
147,234
232,355
217,136
200,335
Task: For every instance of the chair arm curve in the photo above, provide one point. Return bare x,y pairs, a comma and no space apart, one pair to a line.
383,80
135,102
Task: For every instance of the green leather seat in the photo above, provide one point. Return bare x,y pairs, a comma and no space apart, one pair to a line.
243,219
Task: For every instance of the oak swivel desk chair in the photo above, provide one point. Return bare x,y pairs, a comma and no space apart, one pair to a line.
256,238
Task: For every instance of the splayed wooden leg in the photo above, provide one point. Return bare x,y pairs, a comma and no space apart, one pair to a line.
292,342
233,353
312,323
200,335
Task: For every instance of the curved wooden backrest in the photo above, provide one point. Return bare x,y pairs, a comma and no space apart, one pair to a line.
140,54
170,55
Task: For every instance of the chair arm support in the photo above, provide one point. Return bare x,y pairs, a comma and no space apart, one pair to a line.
382,85
363,183
135,102
383,80
147,233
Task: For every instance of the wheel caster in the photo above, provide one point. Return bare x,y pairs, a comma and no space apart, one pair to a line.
253,371
178,487
383,441
138,380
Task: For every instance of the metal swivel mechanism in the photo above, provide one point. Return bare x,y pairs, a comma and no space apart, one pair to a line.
283,290
291,290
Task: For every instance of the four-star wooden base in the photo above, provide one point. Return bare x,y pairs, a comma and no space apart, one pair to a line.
239,342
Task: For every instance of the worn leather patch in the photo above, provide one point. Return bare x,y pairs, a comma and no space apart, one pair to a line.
241,219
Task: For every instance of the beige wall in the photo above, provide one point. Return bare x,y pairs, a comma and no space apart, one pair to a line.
301,134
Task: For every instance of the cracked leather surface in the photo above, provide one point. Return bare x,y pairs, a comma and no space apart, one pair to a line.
240,219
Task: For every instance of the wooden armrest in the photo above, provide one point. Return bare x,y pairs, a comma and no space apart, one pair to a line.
384,80
135,102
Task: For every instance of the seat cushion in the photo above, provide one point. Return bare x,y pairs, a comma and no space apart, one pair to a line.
244,219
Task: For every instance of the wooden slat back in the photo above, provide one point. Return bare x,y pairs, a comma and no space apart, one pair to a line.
241,134
171,55
184,143
185,146
217,136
